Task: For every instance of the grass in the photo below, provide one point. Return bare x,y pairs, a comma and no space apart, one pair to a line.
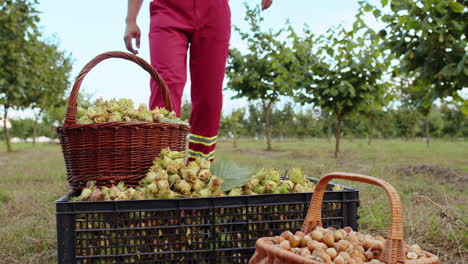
433,195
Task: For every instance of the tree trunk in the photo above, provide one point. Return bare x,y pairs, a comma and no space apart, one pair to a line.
369,139
5,130
266,112
234,142
338,134
34,134
426,126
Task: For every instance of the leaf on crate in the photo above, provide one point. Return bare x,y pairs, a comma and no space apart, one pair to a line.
232,174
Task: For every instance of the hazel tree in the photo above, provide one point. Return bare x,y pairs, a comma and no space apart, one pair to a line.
345,74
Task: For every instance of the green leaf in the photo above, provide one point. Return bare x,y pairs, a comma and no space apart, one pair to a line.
448,70
461,65
384,2
232,174
333,92
367,7
456,7
377,13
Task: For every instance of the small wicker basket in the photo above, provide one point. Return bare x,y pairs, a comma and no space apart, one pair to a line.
393,251
115,151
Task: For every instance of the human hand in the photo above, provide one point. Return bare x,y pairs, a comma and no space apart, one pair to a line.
266,4
132,31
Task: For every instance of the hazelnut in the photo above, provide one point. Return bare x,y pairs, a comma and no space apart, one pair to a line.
415,248
381,238
299,234
378,244
286,234
339,260
338,236
351,238
285,245
367,243
331,252
360,237
312,245
277,239
325,257
344,255
323,245
356,254
359,248
296,251
305,240
412,255
342,245
369,255
358,260
295,241
305,252
329,239
316,235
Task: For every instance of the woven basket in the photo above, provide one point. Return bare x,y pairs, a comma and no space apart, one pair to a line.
115,151
393,252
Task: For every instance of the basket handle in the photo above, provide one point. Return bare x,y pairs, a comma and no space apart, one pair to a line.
393,249
70,117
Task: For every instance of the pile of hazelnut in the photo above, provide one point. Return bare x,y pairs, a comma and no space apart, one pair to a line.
338,246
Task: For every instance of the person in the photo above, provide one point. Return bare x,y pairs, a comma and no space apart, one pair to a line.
204,28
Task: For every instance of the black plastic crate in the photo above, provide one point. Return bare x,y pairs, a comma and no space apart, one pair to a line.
189,230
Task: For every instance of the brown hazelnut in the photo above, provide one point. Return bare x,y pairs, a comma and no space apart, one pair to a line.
305,240
369,255
305,252
323,245
331,252
277,239
344,255
295,241
381,238
285,245
412,255
316,235
338,236
367,243
325,257
329,239
299,234
286,234
342,245
358,260
339,260
312,245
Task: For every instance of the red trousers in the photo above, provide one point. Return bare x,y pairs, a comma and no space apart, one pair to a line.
204,28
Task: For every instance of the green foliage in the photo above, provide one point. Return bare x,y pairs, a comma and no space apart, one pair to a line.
23,128
428,37
400,121
34,72
232,124
185,111
232,174
345,74
18,31
259,74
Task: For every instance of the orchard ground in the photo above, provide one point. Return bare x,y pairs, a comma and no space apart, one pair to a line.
431,182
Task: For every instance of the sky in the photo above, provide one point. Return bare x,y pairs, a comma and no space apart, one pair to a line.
87,28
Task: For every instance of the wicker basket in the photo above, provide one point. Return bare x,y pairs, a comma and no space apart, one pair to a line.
393,252
115,151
